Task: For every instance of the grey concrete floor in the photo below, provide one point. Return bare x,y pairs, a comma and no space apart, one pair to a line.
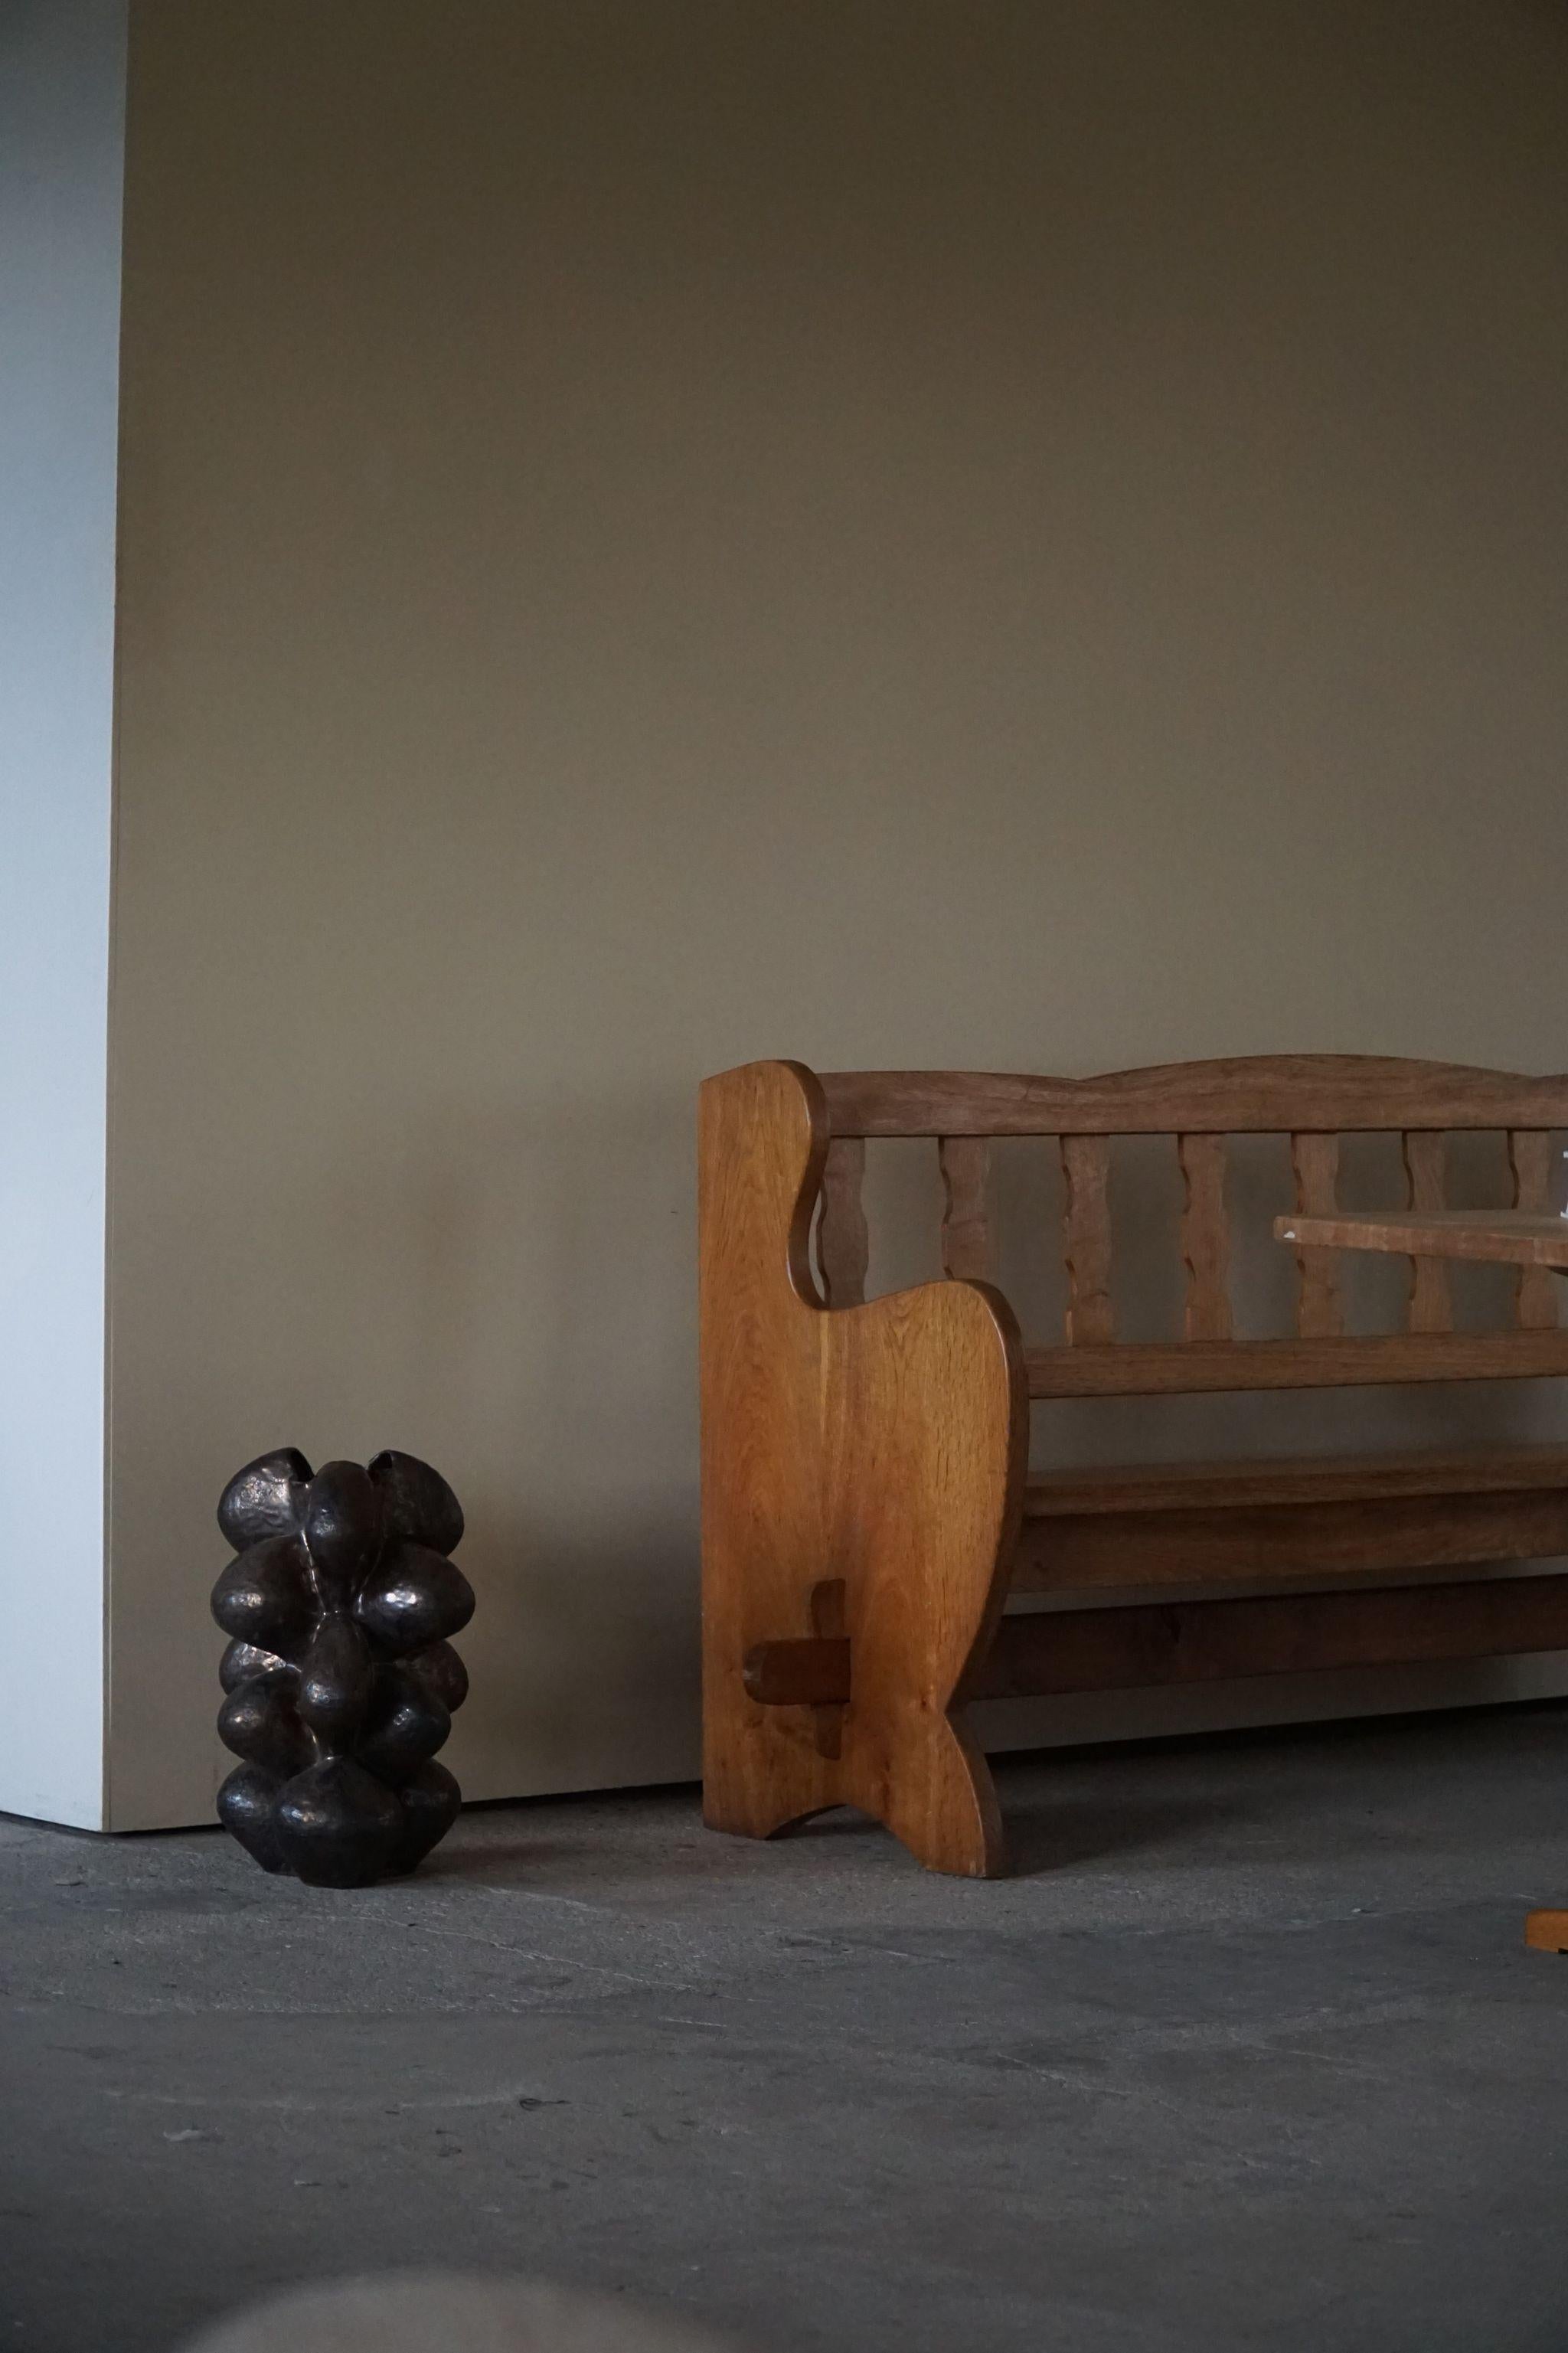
1249,2054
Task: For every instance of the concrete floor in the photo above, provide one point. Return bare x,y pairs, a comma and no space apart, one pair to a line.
1249,2054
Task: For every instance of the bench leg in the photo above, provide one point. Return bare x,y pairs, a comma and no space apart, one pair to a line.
862,1475
912,1764
939,1798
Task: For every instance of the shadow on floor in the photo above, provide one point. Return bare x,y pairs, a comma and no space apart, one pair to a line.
1057,1835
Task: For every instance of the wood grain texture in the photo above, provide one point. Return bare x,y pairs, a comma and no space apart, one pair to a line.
1206,1235
1425,1151
1530,1160
1050,1653
883,1445
1248,1095
1188,1367
1315,1161
1086,1181
1506,1237
843,1238
965,1163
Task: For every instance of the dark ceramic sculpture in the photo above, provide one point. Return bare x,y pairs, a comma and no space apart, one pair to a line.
340,1682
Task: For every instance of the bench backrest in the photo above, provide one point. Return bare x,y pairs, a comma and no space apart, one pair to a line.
1312,1099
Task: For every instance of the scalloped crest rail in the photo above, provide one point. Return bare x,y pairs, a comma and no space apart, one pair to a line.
866,1511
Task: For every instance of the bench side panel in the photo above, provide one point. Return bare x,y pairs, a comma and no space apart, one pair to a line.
862,1475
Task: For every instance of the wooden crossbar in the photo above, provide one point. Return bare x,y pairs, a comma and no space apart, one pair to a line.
1050,1654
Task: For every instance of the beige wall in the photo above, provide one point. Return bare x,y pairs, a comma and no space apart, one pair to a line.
656,532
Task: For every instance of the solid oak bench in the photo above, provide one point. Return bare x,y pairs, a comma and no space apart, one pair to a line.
866,1503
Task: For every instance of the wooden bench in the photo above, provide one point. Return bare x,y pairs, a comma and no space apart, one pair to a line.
866,1503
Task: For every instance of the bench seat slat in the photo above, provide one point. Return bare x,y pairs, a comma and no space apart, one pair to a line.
1249,1543
1183,1368
1213,1523
1193,1486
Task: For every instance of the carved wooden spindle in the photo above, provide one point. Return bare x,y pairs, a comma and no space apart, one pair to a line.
1085,1172
1320,1313
1425,1162
965,1162
843,1243
1205,1237
1536,1294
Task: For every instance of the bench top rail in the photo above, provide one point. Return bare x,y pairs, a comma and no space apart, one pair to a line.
1257,1094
